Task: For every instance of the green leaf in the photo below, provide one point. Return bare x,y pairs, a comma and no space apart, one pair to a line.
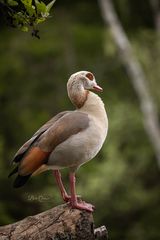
41,7
19,19
40,20
12,3
50,5
27,2
24,28
31,10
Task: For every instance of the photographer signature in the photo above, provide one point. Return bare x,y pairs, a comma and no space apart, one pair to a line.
38,197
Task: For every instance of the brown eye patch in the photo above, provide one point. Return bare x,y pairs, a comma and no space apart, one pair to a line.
90,76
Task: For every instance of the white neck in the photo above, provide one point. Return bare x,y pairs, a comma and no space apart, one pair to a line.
94,106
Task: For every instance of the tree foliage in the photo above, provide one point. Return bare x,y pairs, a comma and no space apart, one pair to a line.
23,14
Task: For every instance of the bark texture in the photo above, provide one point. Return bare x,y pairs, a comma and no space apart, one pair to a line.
60,222
136,75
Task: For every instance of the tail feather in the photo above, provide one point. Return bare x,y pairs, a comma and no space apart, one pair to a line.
20,181
15,170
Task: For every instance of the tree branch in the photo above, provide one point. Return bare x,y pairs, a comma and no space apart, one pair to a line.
136,75
59,223
155,4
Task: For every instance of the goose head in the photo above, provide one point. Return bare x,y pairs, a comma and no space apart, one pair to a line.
79,85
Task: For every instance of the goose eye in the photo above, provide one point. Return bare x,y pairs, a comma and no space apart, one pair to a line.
90,76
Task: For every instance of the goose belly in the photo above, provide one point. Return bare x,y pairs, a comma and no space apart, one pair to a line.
78,148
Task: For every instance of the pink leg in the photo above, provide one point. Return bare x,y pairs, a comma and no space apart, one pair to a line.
64,194
74,202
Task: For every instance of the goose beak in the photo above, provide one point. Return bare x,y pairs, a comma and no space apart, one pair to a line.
97,88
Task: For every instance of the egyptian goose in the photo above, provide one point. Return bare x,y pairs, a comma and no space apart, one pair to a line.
69,139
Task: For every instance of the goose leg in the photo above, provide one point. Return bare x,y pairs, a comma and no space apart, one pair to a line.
64,194
74,201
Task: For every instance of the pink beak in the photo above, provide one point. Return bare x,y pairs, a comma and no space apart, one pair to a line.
98,88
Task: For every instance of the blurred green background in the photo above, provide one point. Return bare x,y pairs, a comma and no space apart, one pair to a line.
123,180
